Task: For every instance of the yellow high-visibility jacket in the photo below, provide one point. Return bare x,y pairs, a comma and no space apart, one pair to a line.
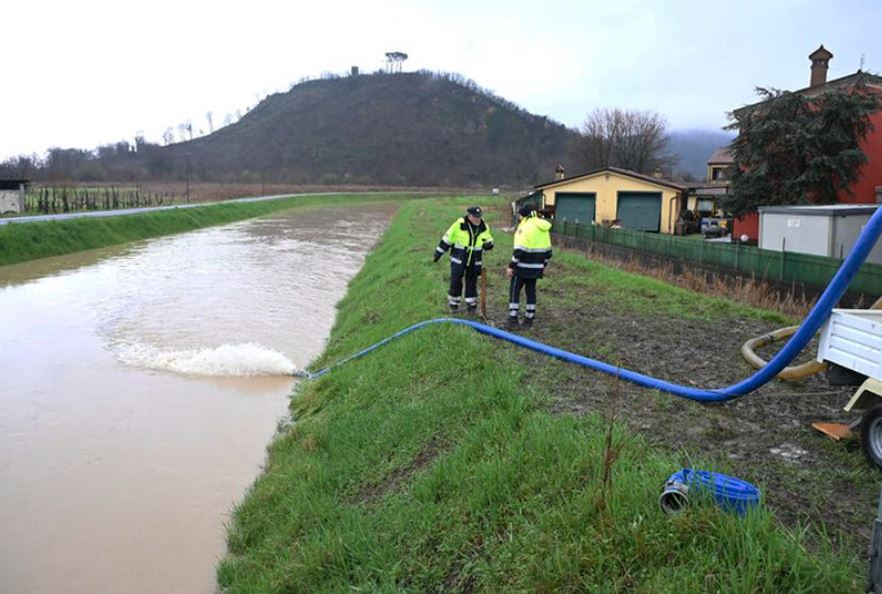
532,247
466,242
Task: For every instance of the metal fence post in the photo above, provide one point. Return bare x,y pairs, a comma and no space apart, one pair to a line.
737,243
783,255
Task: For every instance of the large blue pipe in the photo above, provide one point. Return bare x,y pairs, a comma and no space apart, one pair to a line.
812,323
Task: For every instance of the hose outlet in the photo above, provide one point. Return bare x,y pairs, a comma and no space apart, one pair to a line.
674,498
727,492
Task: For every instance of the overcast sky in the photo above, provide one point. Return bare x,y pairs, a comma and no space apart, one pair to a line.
87,72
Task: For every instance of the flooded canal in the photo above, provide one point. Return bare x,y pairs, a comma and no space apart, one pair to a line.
140,385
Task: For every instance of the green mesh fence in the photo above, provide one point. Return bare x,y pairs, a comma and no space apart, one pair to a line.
749,260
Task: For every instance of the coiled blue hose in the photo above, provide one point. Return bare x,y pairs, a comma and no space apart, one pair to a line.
729,493
812,323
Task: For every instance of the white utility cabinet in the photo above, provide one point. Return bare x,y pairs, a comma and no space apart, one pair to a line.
825,230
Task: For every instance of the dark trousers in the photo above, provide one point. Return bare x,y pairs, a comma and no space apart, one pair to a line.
514,295
471,274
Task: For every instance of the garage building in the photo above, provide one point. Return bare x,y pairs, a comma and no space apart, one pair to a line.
631,200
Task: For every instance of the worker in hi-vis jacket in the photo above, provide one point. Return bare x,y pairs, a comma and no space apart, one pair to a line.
532,250
467,239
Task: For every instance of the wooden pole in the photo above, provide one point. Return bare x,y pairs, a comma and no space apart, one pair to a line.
483,292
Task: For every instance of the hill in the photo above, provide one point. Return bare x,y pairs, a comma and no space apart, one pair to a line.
694,148
407,129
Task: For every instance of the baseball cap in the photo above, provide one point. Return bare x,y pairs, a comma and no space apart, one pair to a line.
475,211
526,210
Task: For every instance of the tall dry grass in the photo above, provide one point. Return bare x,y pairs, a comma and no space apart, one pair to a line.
750,291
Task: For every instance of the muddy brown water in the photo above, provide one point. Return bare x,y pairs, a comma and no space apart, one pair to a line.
140,385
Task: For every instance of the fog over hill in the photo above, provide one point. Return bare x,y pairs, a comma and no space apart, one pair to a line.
694,148
413,129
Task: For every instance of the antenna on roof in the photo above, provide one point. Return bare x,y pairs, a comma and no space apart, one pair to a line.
394,61
861,67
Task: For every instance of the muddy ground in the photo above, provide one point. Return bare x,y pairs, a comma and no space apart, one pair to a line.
765,437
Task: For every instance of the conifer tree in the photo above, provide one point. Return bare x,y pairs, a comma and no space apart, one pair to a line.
797,148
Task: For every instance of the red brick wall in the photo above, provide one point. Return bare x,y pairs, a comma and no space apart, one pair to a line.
864,190
746,225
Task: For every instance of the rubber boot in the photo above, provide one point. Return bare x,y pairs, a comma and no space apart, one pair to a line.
512,323
527,323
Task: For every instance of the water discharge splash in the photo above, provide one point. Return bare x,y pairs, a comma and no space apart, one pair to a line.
228,360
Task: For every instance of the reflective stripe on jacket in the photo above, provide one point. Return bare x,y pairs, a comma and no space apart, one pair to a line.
466,242
532,247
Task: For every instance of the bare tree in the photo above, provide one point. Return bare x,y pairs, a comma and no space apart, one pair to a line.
168,136
189,126
208,117
634,140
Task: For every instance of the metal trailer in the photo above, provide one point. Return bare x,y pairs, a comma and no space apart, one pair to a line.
852,338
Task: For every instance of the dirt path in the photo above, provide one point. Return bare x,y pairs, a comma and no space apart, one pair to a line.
764,437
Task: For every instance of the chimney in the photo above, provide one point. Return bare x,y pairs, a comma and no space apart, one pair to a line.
657,174
819,59
354,71
559,171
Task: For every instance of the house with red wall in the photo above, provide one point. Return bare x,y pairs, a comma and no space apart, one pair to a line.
862,191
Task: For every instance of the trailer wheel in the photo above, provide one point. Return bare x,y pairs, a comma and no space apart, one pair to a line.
871,434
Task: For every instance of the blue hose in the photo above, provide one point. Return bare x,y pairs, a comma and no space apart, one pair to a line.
729,493
812,323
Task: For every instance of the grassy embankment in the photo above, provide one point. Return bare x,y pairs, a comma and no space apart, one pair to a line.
434,465
20,242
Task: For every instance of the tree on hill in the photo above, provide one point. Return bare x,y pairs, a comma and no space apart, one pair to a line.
794,148
635,140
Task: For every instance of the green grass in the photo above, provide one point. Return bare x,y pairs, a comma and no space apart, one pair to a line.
20,242
632,293
432,465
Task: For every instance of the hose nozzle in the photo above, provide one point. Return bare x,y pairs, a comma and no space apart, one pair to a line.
674,497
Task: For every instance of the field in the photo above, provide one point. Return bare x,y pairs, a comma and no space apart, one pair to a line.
32,240
450,462
54,198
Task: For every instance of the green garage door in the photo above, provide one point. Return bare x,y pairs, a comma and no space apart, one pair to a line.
574,206
640,211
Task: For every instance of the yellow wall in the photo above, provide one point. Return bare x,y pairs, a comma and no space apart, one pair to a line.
692,204
607,185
